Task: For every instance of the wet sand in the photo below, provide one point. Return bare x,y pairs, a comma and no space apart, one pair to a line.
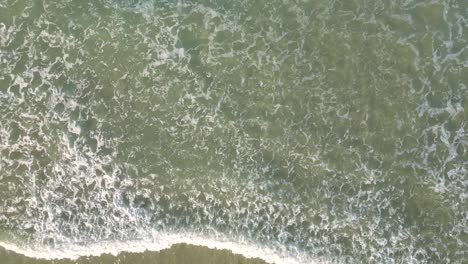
177,254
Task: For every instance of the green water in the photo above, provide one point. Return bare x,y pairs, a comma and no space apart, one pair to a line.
312,130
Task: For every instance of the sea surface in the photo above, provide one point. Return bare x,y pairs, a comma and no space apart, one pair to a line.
294,131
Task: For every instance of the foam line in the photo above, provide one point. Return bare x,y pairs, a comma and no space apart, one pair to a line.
163,241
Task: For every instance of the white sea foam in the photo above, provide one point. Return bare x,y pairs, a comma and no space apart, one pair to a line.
160,242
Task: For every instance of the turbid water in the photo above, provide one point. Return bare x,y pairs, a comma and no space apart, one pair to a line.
297,131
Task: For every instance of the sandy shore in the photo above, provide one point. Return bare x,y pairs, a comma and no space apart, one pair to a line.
177,254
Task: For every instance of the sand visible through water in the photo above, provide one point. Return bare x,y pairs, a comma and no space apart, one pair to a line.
295,131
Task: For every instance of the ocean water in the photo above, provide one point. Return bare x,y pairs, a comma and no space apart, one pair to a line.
295,131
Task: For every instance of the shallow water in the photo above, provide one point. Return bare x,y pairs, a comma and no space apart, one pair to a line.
296,131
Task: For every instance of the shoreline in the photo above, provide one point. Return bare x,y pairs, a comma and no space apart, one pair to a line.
159,242
180,253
